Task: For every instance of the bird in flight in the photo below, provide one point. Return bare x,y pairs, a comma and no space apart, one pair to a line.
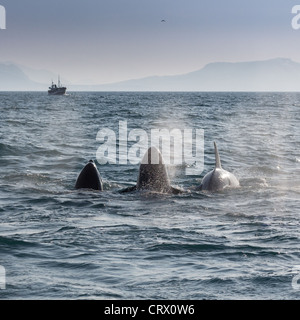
163,20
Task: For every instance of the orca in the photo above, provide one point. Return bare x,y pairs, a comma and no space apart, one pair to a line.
89,178
153,175
218,179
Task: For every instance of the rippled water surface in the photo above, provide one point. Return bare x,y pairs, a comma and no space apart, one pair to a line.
57,242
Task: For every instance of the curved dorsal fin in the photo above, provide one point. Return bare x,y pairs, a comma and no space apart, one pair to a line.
218,161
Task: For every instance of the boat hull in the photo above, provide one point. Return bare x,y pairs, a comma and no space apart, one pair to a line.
57,91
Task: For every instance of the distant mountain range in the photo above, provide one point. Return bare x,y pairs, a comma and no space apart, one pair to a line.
270,75
15,77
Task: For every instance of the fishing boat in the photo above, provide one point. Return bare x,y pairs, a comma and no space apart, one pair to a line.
57,89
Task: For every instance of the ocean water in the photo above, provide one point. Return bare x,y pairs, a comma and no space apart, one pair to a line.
61,243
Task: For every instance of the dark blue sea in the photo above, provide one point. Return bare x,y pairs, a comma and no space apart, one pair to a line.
60,243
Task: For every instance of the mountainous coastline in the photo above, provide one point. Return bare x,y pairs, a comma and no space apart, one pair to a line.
278,74
13,78
270,75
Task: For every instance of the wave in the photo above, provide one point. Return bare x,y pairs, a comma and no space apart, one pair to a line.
10,243
8,150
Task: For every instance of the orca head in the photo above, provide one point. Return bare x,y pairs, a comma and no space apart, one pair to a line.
89,178
153,174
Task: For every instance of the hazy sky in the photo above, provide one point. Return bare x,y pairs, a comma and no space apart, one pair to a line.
101,41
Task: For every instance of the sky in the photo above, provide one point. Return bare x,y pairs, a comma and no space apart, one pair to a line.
104,41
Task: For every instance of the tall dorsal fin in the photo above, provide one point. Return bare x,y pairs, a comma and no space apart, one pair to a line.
218,161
